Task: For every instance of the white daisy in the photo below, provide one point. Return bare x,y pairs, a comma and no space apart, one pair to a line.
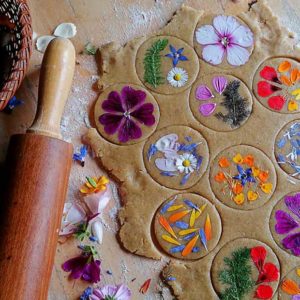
186,163
178,77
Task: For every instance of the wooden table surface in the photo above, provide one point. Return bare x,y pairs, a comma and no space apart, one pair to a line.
99,22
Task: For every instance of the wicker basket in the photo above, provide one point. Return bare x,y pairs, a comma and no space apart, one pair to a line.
19,46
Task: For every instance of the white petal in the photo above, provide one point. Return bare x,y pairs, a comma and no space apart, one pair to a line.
213,54
206,35
164,164
98,201
97,231
42,42
237,55
225,24
167,142
242,36
65,30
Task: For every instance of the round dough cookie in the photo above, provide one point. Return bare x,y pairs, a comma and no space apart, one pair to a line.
187,226
290,286
276,85
166,64
242,177
220,102
285,223
176,157
287,149
224,41
126,114
245,269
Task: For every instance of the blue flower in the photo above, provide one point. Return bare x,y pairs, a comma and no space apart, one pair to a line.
80,157
86,294
12,103
244,176
176,55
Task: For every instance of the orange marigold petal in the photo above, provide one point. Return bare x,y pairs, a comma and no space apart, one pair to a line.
165,224
294,75
237,188
220,177
284,66
285,80
249,160
175,217
190,245
290,287
224,162
263,176
207,228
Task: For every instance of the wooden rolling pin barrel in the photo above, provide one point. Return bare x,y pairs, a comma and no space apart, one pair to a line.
38,168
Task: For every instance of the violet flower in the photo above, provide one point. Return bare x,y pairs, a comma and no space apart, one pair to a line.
176,55
84,266
124,113
110,292
225,37
244,176
292,242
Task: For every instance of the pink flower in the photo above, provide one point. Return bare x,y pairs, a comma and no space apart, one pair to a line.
225,37
111,292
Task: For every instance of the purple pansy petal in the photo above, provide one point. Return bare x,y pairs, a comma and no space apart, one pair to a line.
213,53
203,92
219,83
77,272
292,242
73,263
242,36
236,55
132,97
285,223
206,35
113,103
207,109
129,130
296,297
92,272
144,114
225,25
111,122
293,204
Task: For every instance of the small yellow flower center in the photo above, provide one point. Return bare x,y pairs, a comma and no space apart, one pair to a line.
177,77
186,163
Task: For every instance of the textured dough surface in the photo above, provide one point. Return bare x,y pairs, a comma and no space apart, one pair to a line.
142,196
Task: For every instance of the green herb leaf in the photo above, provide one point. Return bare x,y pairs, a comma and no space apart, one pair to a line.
237,275
91,181
152,63
90,49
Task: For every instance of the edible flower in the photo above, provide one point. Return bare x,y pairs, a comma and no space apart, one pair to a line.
176,55
177,77
80,157
111,292
84,266
244,176
94,185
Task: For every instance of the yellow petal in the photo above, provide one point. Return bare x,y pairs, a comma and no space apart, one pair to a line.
187,231
295,92
255,171
252,196
293,105
169,239
266,187
239,199
238,159
175,207
284,66
193,218
298,272
200,211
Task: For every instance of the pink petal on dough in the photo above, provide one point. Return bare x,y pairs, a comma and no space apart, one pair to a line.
207,109
236,55
213,53
203,93
225,25
219,83
98,201
206,35
242,36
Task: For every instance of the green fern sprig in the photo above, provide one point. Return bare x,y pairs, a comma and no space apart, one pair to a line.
152,63
237,275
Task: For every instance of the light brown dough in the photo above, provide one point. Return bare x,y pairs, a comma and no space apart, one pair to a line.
142,195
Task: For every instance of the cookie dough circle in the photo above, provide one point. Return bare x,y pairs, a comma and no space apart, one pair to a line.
208,21
284,222
255,180
227,251
146,130
190,66
176,157
170,211
293,275
215,118
287,145
275,85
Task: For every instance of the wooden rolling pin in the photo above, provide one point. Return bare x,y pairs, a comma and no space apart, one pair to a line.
38,169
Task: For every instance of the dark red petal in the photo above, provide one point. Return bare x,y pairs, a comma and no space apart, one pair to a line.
269,73
276,102
131,97
113,103
269,273
258,255
144,114
74,263
264,292
111,122
129,130
265,89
